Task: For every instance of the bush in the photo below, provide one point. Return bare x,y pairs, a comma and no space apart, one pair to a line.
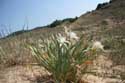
62,57
59,22
55,23
70,19
100,6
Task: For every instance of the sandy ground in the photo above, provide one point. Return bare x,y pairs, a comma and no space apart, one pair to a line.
105,73
24,74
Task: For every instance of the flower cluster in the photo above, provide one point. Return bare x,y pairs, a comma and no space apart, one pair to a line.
71,37
97,45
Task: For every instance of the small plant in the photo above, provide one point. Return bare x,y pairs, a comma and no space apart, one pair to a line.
62,56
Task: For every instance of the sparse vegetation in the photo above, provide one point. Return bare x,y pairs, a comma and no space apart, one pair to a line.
63,58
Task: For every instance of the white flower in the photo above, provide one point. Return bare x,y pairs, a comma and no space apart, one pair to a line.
97,45
66,29
62,39
70,34
41,46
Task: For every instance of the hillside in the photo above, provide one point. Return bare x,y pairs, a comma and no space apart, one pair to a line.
110,14
105,24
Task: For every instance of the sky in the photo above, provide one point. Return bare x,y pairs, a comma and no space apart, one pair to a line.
15,13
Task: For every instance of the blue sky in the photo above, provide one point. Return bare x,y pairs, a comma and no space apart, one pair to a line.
15,13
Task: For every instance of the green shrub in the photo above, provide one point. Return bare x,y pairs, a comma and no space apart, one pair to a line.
63,57
101,5
55,23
